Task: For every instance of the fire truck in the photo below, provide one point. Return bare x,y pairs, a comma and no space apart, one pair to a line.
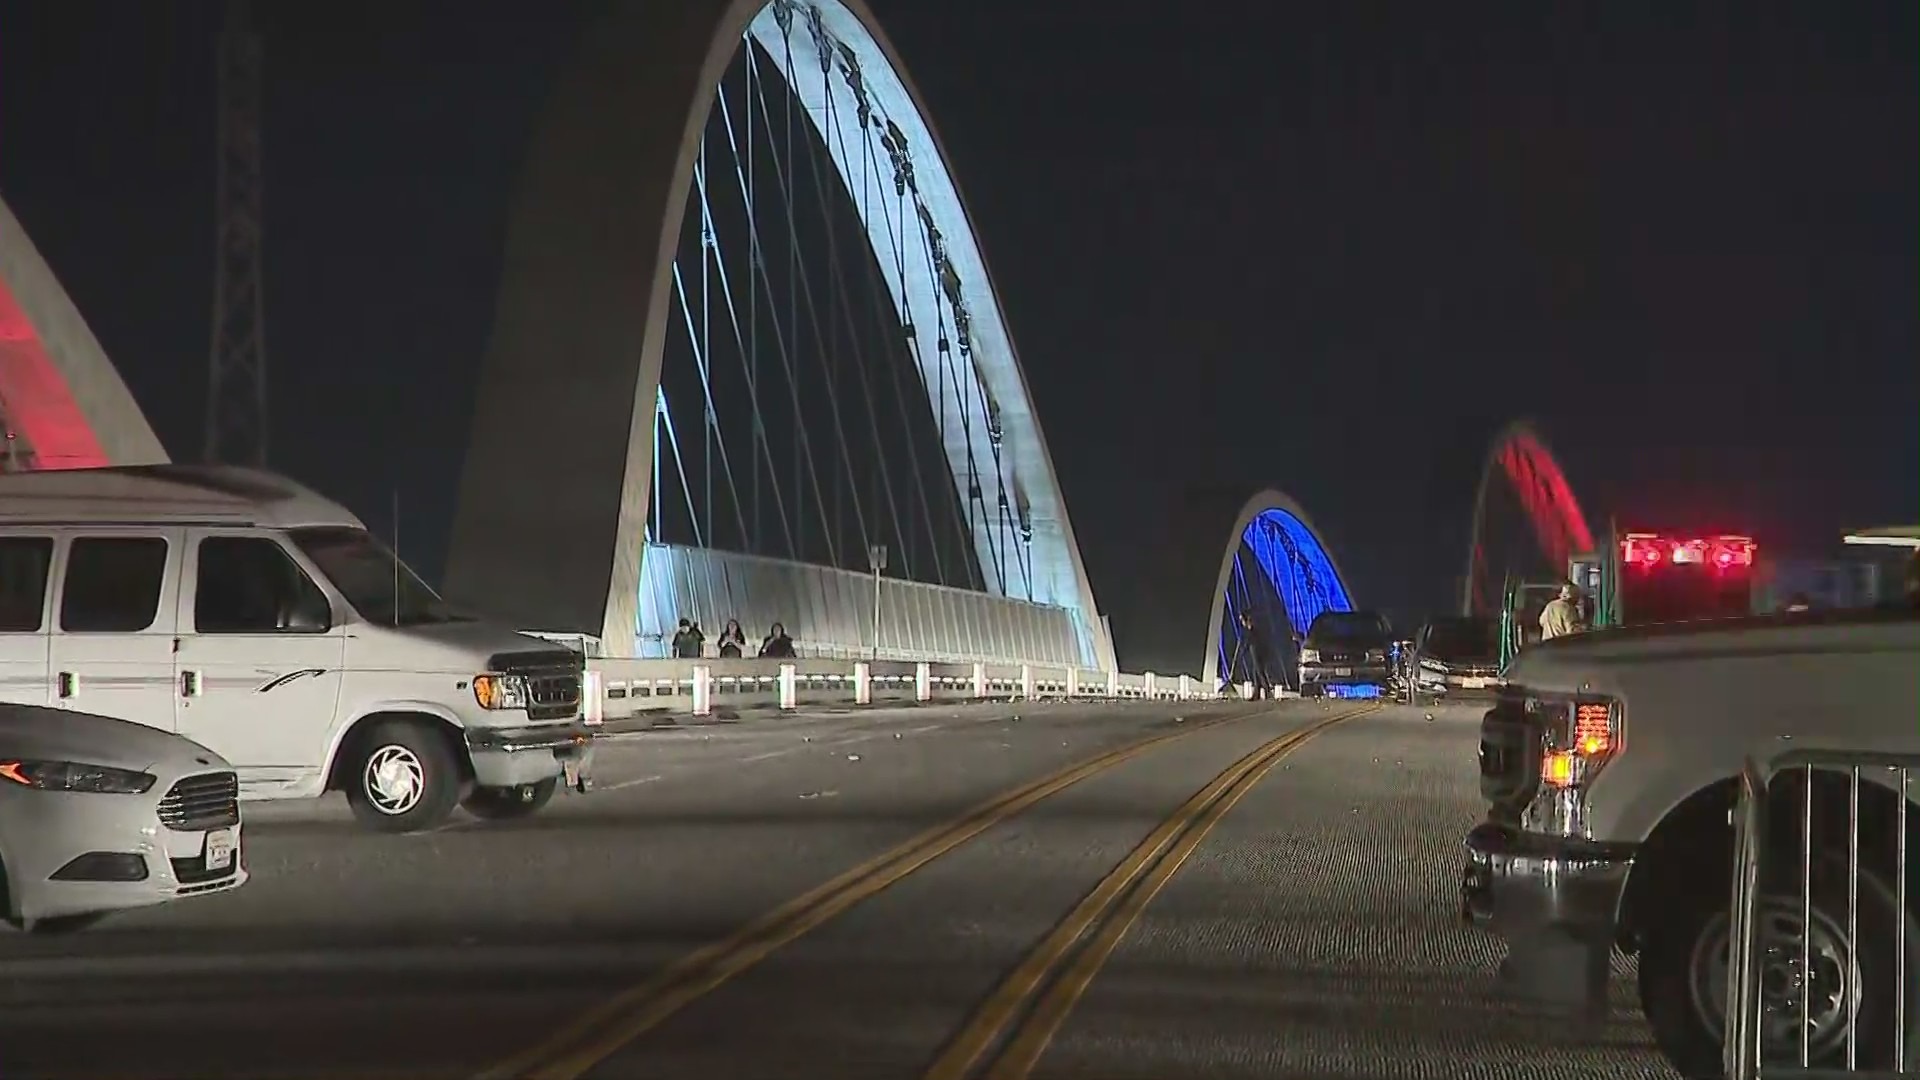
1640,577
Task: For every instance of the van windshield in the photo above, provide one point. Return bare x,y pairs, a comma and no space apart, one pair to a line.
374,580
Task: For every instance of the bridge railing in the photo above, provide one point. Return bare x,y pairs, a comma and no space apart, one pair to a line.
619,689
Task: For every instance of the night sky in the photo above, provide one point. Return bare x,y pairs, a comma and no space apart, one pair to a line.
1324,248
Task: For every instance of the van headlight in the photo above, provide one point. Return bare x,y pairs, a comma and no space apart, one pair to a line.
500,691
76,777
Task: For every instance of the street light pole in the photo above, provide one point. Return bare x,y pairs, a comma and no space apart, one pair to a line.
876,558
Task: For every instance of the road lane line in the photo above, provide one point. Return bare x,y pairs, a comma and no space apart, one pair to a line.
635,782
1106,913
601,1032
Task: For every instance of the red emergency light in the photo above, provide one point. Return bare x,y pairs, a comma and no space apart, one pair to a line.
1725,553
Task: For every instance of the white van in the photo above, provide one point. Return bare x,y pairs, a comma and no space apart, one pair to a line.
249,614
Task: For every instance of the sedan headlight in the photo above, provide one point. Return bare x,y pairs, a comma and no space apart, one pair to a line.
500,691
76,776
1309,656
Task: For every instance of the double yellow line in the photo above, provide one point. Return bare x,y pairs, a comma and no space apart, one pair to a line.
601,1032
1065,962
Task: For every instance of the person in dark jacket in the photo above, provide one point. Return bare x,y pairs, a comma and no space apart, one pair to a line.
1253,649
778,645
688,641
733,641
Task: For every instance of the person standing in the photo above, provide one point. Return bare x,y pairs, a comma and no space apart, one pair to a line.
733,641
1561,616
1253,647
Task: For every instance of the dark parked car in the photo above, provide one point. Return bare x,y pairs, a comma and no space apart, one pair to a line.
1457,657
1346,654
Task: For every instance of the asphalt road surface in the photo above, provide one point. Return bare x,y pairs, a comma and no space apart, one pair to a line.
935,892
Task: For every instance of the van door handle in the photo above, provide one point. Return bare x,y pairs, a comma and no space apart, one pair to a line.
68,684
189,684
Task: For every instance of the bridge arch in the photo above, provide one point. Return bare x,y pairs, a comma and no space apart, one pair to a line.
63,402
1520,459
560,461
1273,557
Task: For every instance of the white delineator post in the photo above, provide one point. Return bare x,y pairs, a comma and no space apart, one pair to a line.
862,683
979,680
923,681
593,697
702,690
789,686
1026,683
1186,687
1149,680
1073,682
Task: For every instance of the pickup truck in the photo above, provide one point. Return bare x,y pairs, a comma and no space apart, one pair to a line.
1610,767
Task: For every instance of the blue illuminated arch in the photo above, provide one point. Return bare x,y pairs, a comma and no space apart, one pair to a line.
1273,548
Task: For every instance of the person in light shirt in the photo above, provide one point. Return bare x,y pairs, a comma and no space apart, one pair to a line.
1561,615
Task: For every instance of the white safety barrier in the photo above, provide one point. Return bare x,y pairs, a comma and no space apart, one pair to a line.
1821,878
617,689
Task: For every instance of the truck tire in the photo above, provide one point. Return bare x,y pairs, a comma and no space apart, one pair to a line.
507,803
1683,972
404,778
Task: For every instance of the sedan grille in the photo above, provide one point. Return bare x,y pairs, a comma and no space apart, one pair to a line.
199,803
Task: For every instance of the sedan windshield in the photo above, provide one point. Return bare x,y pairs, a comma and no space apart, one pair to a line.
372,578
1462,641
1349,626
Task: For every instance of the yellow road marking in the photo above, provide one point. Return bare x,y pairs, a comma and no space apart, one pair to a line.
1118,900
600,1032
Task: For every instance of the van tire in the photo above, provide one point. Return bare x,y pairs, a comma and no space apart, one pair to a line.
507,803
403,777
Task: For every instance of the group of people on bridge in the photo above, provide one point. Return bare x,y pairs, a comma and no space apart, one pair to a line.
690,642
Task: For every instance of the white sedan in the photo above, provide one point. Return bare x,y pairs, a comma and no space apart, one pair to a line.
100,815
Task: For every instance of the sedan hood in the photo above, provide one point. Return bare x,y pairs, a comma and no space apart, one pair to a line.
44,734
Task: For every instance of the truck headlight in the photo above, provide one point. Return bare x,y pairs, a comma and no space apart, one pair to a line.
500,691
77,777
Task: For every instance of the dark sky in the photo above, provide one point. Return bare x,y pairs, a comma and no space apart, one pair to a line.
1328,248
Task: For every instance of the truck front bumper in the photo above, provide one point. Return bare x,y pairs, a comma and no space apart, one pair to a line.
1555,902
509,757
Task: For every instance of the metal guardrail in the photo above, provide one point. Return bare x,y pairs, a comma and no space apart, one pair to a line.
618,688
1783,931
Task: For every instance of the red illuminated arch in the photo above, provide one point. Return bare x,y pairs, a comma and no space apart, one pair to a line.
1520,457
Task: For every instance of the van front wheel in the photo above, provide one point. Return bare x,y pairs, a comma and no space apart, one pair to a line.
404,779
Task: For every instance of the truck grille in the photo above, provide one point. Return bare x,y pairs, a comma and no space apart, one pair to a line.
1509,756
553,680
553,697
199,803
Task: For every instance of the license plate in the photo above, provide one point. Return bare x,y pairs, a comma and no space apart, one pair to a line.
1475,683
219,849
1343,671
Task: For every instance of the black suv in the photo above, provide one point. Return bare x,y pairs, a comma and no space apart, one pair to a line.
1346,653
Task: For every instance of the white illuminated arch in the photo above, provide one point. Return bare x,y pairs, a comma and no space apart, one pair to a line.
567,230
